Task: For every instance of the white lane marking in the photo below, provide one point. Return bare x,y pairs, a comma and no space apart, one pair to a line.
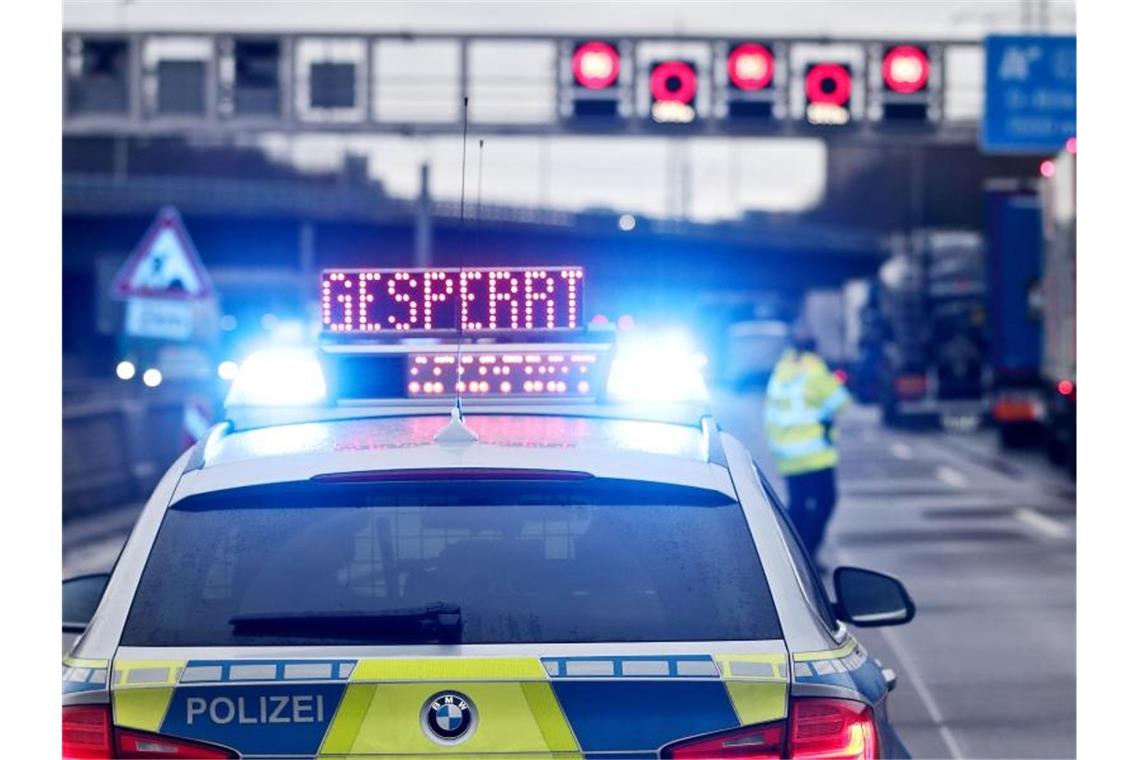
907,663
923,691
902,451
1042,524
950,476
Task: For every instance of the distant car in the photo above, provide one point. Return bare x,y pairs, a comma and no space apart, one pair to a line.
604,576
754,348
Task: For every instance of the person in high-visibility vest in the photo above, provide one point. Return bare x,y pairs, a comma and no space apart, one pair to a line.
803,401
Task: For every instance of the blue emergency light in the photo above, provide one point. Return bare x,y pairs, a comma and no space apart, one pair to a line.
506,334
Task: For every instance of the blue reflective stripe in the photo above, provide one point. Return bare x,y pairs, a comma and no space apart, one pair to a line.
832,404
258,719
803,448
857,673
639,716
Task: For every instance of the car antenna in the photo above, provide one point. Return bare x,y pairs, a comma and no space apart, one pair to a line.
456,431
479,190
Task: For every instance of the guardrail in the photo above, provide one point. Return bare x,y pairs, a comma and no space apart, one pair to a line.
116,448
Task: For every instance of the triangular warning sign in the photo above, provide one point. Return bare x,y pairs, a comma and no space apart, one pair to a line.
164,265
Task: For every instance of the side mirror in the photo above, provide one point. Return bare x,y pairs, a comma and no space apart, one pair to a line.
867,598
81,596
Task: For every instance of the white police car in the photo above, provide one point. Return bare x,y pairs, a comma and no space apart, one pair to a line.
579,564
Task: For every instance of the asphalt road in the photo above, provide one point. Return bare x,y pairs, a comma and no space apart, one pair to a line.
985,541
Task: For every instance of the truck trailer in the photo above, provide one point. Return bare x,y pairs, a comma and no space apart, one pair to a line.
930,304
1013,297
1059,308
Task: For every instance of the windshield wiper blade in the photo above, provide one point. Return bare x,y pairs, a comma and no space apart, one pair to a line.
439,621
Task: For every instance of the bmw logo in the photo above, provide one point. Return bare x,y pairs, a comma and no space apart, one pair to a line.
448,717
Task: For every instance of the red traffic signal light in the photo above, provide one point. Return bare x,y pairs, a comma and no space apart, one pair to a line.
827,93
906,69
673,81
828,83
673,89
596,65
750,66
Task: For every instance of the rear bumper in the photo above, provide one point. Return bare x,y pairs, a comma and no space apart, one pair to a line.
933,406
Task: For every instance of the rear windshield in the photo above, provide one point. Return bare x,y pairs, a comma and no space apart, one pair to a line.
460,562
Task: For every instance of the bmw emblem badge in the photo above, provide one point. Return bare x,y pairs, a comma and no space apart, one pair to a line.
448,718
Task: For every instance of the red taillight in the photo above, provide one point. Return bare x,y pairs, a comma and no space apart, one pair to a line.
87,731
818,729
1066,387
754,742
1014,409
135,744
832,728
909,386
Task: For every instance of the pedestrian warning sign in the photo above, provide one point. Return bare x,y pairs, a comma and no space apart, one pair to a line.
164,265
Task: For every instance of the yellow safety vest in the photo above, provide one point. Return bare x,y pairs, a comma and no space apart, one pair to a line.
802,396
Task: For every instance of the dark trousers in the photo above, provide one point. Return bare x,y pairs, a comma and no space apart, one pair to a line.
811,499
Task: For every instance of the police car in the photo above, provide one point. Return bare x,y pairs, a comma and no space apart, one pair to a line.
466,526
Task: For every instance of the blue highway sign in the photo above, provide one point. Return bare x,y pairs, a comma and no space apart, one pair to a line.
1031,94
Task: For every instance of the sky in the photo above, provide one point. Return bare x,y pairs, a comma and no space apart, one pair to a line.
638,175
961,19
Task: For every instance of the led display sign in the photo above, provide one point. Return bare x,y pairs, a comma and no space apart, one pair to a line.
451,300
502,373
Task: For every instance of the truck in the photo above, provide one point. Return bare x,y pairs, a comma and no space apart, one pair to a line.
861,357
1014,237
823,315
930,318
1059,308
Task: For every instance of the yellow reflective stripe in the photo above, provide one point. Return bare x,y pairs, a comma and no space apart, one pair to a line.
757,701
143,709
737,666
506,724
820,460
348,719
77,662
156,673
548,715
828,654
450,668
784,436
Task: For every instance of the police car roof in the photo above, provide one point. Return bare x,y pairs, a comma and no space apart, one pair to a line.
630,449
690,414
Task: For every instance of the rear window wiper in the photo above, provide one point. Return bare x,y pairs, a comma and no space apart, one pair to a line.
436,622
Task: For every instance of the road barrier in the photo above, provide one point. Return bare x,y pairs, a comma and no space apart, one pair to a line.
115,448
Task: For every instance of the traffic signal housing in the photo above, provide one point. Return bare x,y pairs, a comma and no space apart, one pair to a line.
828,88
904,83
257,77
752,90
595,81
673,88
